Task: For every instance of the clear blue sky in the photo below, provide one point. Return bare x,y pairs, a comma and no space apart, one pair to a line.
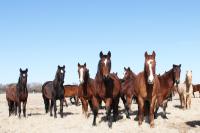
41,34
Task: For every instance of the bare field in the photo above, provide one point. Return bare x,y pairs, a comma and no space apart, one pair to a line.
179,121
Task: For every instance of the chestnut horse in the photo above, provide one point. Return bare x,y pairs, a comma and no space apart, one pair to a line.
196,88
107,87
54,90
17,93
86,92
71,91
147,85
127,92
167,82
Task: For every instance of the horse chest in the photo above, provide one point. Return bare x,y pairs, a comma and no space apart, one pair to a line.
23,96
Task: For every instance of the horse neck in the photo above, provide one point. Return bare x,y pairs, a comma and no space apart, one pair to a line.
21,86
187,82
168,78
57,81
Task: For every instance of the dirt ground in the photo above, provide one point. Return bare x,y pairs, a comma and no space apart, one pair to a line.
179,121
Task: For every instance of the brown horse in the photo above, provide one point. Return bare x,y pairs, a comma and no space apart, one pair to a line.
167,81
196,88
127,92
86,92
71,91
54,90
147,85
107,88
17,93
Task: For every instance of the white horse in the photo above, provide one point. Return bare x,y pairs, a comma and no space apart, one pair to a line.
185,91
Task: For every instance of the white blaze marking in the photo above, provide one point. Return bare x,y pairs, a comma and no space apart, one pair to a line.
61,71
124,73
105,61
150,78
81,75
24,75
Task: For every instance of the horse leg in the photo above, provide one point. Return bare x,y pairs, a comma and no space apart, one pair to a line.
164,109
61,107
65,102
85,107
123,100
55,108
128,106
184,101
51,107
193,94
77,100
24,108
90,104
9,107
108,111
19,109
115,108
15,108
140,110
151,115
95,105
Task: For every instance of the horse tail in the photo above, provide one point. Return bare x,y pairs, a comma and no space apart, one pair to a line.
46,100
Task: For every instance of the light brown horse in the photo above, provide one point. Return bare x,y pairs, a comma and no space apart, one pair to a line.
196,88
71,91
147,85
86,91
107,88
167,82
127,92
17,94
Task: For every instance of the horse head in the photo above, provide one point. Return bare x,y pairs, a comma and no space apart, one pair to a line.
83,73
105,64
150,67
176,73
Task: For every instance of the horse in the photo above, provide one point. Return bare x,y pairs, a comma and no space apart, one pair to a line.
71,91
185,91
107,87
146,88
196,88
86,91
127,92
17,94
54,90
167,81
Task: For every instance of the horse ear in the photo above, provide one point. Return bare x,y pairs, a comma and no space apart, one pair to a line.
154,54
85,64
173,65
58,66
109,54
63,66
26,69
20,70
129,68
125,68
180,65
146,54
79,65
101,54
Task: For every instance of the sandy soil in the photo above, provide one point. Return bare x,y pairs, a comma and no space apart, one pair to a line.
74,121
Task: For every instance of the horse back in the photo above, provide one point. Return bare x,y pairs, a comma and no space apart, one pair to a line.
71,90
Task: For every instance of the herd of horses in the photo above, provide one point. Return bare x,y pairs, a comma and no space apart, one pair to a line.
149,90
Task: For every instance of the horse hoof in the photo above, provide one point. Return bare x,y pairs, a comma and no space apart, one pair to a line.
110,124
128,117
94,124
139,123
152,125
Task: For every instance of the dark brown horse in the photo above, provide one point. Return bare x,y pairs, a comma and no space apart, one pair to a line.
196,88
107,88
54,90
147,85
127,92
71,91
86,92
17,93
167,82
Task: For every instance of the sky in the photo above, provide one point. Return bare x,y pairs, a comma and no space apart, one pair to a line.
42,34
